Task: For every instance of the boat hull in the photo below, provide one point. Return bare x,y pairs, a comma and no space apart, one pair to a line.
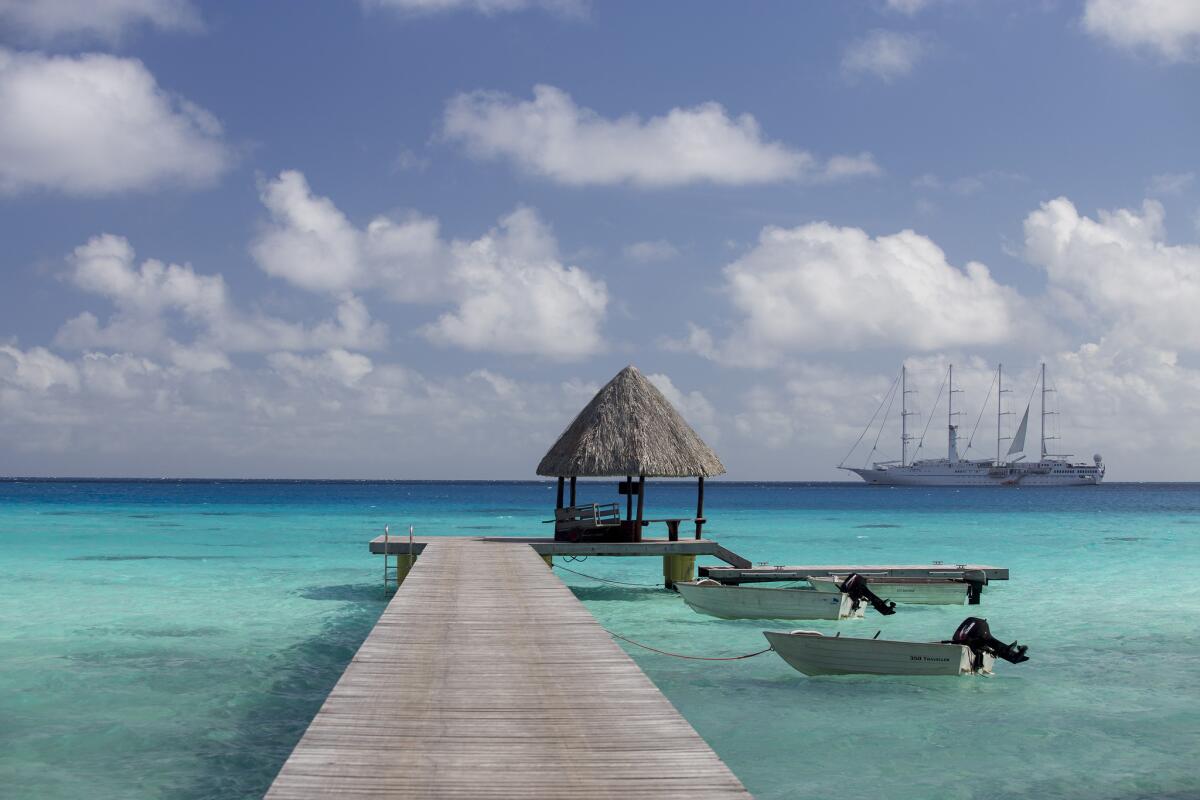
758,602
909,476
811,653
948,593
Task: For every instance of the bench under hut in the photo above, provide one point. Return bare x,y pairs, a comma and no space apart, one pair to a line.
628,430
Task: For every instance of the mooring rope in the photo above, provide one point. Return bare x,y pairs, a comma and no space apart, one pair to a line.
605,580
682,655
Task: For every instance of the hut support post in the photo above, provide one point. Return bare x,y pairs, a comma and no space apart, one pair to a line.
629,498
641,490
699,506
560,493
678,568
404,565
573,491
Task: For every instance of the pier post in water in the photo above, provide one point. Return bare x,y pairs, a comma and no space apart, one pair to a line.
677,568
404,565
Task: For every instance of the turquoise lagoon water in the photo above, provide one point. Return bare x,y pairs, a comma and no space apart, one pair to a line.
173,639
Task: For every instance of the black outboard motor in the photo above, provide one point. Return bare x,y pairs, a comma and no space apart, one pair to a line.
975,579
975,634
855,585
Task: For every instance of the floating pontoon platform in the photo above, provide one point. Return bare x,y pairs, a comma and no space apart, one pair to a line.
545,546
766,573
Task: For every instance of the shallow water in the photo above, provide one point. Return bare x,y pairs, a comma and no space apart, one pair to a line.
162,639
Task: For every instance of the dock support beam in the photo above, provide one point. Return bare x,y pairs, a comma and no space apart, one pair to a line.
641,491
404,565
677,568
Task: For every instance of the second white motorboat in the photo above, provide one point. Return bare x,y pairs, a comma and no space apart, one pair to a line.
760,602
971,651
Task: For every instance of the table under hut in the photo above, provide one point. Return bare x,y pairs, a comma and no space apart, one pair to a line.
629,430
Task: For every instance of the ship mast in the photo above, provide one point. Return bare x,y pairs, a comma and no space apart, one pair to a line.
999,397
1000,390
903,415
951,428
1043,411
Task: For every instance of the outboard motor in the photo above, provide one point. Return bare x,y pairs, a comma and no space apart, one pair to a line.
975,634
975,579
855,585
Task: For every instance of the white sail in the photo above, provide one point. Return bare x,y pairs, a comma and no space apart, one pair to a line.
1018,442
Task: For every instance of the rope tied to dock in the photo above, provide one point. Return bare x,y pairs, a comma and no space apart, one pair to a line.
606,580
683,655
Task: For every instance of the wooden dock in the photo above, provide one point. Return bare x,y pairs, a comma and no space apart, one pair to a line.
546,546
486,678
764,574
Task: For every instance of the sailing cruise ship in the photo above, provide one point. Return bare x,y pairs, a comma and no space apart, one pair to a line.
1006,469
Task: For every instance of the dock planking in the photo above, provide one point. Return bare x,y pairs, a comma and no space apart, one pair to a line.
485,677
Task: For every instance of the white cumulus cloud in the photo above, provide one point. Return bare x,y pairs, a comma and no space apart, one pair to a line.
693,406
125,414
1169,28
515,296
552,137
886,55
98,124
1121,267
311,244
46,20
822,287
509,289
154,299
36,369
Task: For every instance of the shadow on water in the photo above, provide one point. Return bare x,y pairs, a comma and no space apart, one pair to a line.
345,592
167,632
624,594
148,558
243,763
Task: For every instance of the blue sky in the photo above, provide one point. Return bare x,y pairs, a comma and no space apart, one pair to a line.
407,238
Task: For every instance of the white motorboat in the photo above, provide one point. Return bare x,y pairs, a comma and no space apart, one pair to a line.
760,602
971,651
922,591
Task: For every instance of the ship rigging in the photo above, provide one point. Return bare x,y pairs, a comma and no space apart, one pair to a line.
1008,468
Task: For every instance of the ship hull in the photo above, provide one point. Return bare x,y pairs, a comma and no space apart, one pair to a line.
908,476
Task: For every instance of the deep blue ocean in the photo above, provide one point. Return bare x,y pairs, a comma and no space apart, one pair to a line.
164,639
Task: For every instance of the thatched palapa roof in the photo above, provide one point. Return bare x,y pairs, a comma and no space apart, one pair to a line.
630,428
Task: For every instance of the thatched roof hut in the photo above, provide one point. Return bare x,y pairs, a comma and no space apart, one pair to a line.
630,428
